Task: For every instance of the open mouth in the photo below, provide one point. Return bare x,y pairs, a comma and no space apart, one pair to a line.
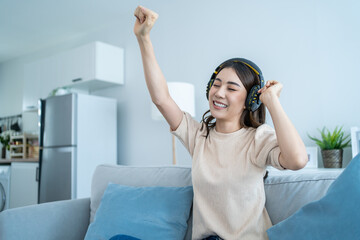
219,105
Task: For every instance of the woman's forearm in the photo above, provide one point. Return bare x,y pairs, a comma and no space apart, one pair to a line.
293,152
154,77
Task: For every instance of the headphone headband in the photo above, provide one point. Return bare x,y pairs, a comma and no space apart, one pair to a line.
250,67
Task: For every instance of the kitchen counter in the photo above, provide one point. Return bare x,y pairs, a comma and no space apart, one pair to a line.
9,161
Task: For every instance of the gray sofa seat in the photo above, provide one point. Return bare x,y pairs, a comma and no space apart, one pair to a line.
286,192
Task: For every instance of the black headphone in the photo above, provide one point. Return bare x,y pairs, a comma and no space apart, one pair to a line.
252,102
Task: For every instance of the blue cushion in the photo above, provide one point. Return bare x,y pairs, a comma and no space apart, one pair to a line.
335,216
142,212
123,237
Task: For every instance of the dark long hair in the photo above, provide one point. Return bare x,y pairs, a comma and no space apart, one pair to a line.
248,119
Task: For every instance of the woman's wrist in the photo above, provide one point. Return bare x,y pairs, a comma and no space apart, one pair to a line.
143,38
271,101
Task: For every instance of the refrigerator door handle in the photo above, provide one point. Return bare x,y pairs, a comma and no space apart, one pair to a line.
77,80
37,175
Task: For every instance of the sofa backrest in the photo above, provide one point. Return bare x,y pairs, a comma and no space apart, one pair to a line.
286,191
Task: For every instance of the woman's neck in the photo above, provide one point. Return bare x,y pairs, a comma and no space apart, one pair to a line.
227,127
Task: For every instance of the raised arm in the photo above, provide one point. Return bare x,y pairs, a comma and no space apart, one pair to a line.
293,152
155,80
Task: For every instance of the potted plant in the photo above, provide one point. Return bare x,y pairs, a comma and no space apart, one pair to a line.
5,141
332,145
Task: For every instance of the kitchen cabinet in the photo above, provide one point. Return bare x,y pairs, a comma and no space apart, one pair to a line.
93,66
87,68
23,184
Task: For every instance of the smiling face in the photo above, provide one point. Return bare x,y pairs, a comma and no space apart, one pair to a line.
227,97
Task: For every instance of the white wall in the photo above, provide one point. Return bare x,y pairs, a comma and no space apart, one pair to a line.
309,46
11,81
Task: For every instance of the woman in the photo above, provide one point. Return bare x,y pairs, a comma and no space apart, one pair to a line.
232,146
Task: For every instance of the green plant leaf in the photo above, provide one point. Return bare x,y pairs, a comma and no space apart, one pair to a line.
332,140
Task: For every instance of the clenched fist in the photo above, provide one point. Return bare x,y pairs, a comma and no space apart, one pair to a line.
145,20
271,89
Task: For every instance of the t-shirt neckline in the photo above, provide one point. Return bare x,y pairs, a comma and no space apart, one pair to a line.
222,135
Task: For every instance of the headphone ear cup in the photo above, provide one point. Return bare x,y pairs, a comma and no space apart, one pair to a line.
209,85
253,99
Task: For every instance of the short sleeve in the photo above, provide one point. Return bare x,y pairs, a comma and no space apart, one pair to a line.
266,148
187,131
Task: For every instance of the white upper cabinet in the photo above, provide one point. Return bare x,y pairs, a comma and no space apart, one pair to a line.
89,67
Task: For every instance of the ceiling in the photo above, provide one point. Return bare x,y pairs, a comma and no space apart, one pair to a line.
28,26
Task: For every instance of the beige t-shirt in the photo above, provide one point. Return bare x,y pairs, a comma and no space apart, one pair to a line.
227,176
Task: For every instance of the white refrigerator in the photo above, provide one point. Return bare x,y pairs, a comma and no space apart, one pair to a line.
77,133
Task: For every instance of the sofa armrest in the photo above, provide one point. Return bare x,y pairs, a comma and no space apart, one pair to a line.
55,220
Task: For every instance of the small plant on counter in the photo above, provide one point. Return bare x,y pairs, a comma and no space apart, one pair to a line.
5,139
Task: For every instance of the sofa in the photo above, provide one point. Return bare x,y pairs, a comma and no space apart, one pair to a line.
286,192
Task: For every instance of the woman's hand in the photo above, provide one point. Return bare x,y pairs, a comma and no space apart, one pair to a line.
271,89
145,20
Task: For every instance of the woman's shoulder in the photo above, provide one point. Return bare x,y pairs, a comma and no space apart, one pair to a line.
264,131
261,130
264,127
192,123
